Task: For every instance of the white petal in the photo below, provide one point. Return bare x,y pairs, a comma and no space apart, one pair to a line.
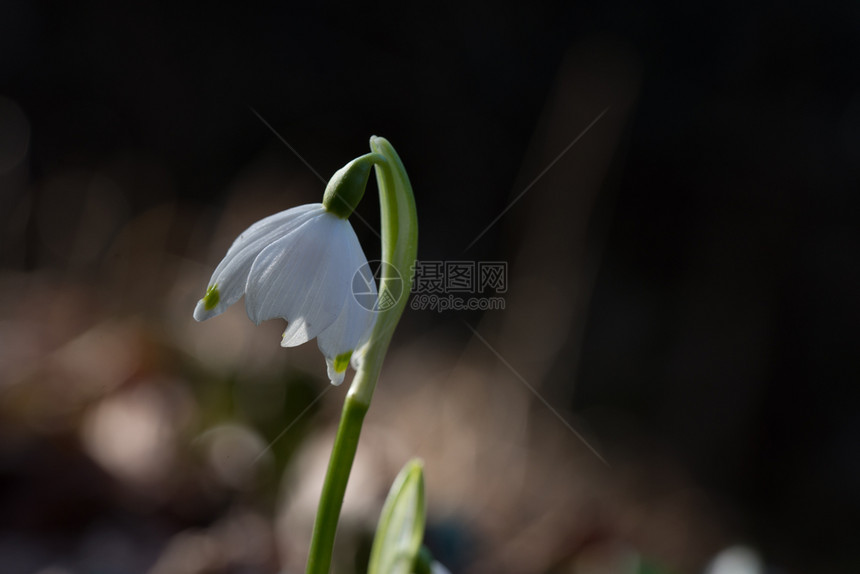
358,355
355,320
302,278
231,275
336,377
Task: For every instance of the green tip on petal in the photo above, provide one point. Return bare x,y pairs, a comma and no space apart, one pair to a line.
341,362
212,298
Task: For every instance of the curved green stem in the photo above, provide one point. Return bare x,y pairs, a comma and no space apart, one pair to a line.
399,248
334,487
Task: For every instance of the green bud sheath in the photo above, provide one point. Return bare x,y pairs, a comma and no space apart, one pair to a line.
346,187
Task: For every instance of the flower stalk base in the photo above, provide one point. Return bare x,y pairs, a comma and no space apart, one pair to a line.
334,487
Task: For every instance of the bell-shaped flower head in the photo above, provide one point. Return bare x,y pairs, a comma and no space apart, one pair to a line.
300,265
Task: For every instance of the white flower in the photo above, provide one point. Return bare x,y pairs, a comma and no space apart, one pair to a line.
298,265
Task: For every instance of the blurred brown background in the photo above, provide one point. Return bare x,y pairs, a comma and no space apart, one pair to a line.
673,188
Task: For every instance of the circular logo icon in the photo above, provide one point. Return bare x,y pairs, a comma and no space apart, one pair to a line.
370,275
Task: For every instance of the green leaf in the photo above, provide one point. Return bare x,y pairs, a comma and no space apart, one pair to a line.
401,524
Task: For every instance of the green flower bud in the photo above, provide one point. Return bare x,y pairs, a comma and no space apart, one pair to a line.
346,187
401,524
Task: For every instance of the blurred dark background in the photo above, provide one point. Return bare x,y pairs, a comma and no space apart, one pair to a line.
704,228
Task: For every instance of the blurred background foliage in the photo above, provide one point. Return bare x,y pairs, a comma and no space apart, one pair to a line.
683,283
